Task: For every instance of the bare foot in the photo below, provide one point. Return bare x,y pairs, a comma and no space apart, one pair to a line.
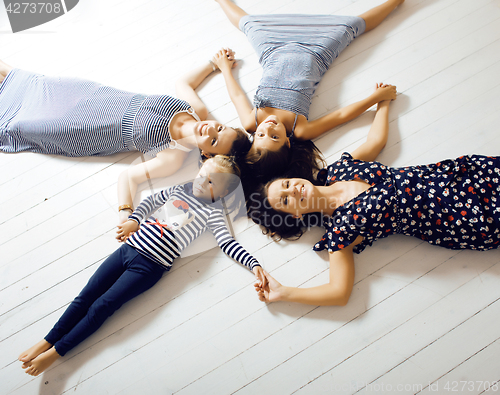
42,362
4,70
33,352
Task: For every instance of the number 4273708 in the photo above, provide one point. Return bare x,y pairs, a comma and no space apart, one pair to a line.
34,8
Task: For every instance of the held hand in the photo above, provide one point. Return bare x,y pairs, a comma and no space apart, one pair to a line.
126,229
260,276
272,291
385,92
229,53
224,59
123,216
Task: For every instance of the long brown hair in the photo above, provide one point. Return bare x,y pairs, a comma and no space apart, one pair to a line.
276,224
301,159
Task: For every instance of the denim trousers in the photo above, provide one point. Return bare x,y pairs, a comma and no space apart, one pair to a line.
124,275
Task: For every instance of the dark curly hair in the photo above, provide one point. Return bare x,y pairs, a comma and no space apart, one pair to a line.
301,159
241,146
276,224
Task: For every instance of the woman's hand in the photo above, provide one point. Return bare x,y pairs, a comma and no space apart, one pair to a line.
224,59
126,229
384,92
271,291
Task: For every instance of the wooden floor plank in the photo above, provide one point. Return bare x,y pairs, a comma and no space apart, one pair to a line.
201,329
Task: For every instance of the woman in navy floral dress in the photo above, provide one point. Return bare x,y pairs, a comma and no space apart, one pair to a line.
453,203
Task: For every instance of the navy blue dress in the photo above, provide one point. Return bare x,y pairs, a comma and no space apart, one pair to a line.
453,203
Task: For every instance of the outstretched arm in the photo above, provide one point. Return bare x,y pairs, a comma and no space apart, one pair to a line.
335,293
377,136
237,95
186,85
166,163
232,248
316,128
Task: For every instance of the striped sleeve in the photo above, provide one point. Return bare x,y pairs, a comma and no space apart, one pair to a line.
149,205
227,243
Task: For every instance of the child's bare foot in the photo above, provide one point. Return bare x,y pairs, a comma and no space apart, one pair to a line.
42,362
33,352
4,70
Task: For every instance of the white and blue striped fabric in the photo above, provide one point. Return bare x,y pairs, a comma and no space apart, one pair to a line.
295,51
164,242
75,117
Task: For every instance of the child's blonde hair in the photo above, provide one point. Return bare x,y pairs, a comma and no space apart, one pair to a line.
235,200
227,164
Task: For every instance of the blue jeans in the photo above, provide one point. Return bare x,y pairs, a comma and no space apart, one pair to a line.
124,275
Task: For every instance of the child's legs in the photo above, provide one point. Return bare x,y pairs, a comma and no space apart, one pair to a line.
138,275
376,15
232,11
104,277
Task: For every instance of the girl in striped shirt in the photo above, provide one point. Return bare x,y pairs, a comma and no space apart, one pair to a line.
150,246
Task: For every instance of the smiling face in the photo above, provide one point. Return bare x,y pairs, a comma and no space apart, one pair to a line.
270,134
213,137
211,184
294,196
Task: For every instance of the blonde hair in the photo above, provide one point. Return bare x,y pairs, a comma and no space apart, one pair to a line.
227,164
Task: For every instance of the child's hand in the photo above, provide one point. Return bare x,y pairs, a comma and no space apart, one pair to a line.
385,92
259,276
224,59
272,291
123,216
126,229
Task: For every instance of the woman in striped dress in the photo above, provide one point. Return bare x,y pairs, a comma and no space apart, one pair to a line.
75,117
149,250
294,51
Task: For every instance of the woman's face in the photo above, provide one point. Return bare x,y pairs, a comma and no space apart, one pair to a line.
294,196
210,183
270,134
214,138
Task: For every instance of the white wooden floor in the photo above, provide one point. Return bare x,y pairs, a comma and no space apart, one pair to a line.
420,319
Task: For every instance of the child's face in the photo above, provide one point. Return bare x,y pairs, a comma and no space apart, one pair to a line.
210,183
270,134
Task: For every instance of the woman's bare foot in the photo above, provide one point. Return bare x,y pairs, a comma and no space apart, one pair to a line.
4,70
33,352
42,362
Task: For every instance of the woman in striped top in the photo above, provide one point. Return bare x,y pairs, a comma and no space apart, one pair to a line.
294,51
151,245
74,117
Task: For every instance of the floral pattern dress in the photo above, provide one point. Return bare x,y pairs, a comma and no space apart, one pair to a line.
453,203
